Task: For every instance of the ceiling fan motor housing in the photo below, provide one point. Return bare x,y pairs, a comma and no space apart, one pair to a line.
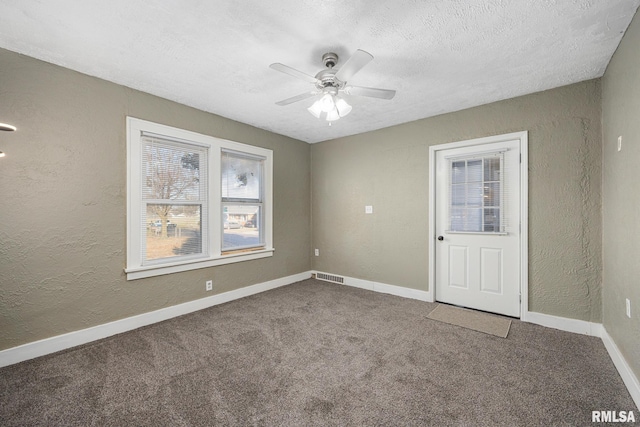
330,59
326,78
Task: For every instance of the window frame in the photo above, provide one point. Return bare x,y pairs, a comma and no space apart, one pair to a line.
213,254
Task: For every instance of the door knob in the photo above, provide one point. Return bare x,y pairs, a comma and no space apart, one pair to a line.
441,238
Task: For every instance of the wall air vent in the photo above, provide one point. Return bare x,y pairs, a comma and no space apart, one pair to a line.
330,278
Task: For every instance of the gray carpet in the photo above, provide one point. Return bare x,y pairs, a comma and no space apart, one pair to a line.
315,353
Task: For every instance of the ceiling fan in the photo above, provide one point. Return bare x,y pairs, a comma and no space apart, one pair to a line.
330,83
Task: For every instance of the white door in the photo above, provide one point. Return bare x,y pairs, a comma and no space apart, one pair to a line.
477,225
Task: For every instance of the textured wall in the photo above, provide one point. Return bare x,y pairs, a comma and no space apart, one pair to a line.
62,209
389,170
621,197
63,183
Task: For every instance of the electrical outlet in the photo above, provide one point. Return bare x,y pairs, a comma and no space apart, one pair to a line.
209,285
317,252
368,209
620,143
628,308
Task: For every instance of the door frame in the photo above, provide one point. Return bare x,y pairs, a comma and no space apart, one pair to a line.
523,138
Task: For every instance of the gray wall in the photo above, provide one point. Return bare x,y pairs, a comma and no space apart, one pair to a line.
621,196
62,208
389,170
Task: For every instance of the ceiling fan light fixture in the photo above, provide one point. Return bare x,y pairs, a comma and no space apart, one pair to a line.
333,115
331,82
316,109
342,107
327,103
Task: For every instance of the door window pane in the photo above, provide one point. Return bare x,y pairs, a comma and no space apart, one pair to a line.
492,194
474,171
458,172
458,194
475,198
473,220
492,220
457,219
474,194
492,169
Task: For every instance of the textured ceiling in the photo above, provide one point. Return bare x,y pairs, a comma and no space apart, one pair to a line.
440,56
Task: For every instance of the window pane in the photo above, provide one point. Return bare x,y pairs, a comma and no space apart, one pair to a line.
458,171
476,185
492,194
492,220
458,195
241,177
474,171
171,172
492,169
242,226
474,194
473,220
457,219
172,230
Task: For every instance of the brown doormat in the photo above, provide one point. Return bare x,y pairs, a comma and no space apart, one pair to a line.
471,319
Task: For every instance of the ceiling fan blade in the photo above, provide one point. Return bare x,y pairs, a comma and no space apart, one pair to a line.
353,65
293,72
371,92
296,98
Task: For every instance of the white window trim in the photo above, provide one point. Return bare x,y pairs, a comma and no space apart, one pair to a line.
134,268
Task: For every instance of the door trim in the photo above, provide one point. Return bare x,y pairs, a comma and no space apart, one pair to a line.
523,137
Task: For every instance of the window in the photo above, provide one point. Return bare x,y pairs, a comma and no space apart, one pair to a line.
194,201
174,200
242,200
476,194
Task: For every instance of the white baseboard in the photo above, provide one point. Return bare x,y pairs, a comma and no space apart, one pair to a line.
83,336
564,324
630,380
385,288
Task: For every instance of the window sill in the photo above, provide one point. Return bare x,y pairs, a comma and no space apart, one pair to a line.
158,270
